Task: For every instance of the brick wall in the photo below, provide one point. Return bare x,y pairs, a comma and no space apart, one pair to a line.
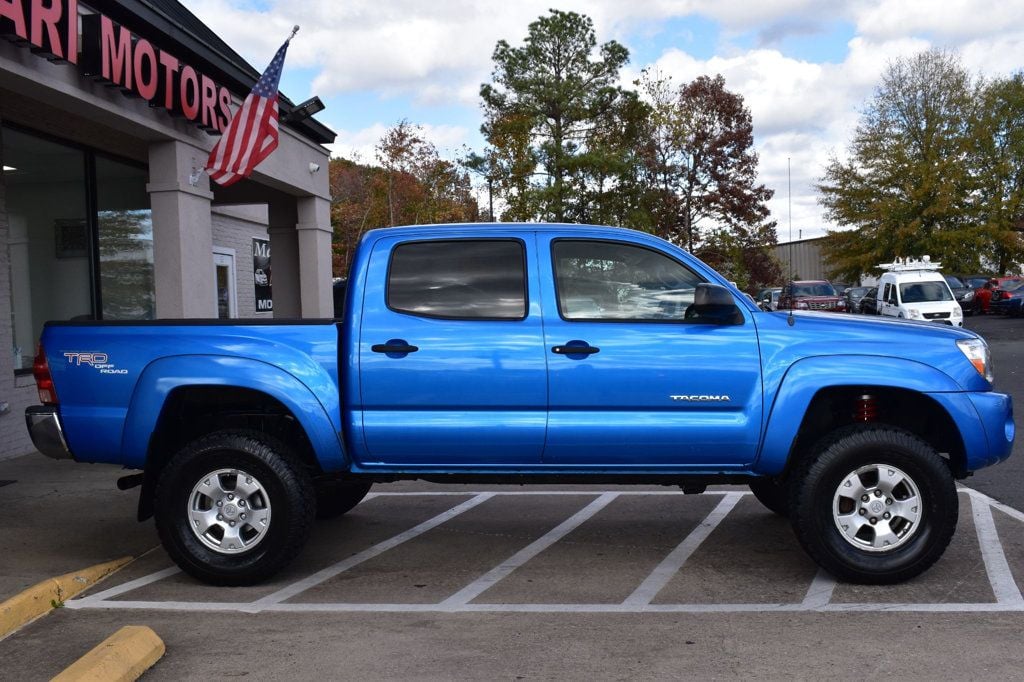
234,227
18,392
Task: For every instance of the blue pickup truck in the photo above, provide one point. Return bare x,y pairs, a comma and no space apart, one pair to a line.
528,354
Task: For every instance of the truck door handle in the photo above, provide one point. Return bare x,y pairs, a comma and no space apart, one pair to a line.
575,348
394,346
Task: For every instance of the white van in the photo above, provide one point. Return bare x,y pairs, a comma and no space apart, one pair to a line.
916,290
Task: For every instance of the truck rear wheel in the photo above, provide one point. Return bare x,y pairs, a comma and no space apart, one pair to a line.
335,497
233,507
874,505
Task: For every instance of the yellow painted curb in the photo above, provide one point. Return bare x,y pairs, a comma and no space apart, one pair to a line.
125,655
42,597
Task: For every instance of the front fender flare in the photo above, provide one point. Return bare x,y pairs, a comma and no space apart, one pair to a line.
163,376
805,378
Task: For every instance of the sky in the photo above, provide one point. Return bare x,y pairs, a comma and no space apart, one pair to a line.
804,68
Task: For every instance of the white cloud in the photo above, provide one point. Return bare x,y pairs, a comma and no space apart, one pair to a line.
438,53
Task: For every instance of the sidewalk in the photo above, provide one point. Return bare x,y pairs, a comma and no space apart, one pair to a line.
60,516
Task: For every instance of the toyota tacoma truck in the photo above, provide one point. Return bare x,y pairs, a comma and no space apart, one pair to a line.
520,354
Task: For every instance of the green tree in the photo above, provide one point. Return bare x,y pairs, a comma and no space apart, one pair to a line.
544,112
998,164
907,185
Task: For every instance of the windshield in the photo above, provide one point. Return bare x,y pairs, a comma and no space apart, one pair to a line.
1013,285
814,289
920,292
954,282
976,282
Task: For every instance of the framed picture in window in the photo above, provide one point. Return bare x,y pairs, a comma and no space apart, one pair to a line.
71,237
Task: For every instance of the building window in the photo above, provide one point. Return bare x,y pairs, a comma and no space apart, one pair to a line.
81,237
125,227
459,279
50,243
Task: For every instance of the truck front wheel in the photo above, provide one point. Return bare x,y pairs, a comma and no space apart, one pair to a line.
233,507
874,505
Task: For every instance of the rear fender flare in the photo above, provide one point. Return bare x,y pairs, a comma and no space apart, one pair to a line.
163,376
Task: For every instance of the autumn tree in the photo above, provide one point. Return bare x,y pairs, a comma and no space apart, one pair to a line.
411,186
907,187
548,102
701,172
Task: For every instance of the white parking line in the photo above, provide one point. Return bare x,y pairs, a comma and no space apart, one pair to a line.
487,580
817,599
999,575
121,589
670,565
342,566
819,594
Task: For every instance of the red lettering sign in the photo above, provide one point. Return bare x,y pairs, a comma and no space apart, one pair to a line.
146,77
116,50
112,53
189,93
12,19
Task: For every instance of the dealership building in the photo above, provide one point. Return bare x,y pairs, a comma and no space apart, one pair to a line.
108,112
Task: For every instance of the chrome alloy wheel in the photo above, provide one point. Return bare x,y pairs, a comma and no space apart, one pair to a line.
229,511
877,508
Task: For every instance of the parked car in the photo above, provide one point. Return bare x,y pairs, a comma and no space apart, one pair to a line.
918,294
853,296
815,294
1008,298
869,302
976,283
962,292
768,299
461,359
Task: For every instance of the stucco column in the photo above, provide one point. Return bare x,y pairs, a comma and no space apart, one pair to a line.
182,232
284,258
314,228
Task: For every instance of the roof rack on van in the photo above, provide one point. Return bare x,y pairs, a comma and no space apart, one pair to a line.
910,265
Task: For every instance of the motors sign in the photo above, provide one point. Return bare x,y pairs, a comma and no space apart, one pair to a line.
112,53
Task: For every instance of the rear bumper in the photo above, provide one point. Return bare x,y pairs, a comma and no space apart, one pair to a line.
47,435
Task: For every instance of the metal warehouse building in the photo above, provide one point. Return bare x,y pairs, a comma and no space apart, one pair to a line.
108,110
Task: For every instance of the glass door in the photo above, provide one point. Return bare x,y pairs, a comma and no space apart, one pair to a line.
224,269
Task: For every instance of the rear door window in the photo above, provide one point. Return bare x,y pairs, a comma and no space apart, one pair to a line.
459,279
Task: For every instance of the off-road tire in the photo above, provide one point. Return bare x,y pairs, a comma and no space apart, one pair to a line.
335,497
288,487
815,484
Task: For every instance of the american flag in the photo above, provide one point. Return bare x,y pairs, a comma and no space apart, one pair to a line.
252,134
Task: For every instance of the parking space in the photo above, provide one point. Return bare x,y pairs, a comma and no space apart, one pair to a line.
616,551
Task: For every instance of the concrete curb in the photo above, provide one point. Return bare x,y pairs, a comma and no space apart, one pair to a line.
42,597
123,656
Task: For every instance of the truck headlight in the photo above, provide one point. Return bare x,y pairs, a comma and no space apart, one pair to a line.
976,350
958,312
914,313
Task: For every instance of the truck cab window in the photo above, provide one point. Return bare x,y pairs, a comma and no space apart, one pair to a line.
614,281
459,279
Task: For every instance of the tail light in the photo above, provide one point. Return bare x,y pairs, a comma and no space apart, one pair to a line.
44,382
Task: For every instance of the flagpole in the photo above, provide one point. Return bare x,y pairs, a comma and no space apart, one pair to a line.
295,29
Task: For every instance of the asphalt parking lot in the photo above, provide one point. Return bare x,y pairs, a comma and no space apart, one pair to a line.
465,582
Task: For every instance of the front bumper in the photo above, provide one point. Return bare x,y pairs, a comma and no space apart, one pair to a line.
47,435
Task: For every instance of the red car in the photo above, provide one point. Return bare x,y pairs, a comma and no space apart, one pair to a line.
811,295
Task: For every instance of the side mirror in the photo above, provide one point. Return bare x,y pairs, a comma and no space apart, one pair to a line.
713,304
